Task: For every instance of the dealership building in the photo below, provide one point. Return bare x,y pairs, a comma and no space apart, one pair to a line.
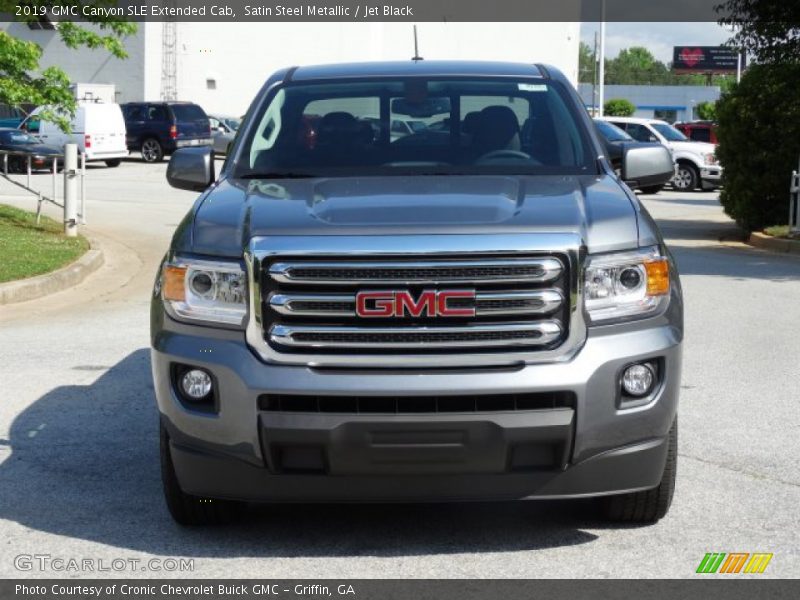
221,66
668,102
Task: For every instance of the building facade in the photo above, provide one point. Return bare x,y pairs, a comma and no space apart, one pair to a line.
221,66
668,102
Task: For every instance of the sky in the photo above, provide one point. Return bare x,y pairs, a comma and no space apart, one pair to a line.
659,38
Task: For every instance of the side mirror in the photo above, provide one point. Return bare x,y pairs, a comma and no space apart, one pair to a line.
191,169
647,165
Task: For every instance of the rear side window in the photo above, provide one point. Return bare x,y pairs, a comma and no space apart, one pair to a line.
700,135
188,112
640,133
156,113
134,112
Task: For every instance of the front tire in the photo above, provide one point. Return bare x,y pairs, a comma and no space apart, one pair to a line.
114,162
687,178
187,509
151,150
650,505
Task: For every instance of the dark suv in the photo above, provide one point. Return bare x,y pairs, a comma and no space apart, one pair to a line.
159,128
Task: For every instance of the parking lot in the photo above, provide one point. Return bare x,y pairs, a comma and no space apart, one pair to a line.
79,474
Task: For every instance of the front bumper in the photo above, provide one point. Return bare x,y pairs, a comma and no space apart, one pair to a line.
711,176
595,446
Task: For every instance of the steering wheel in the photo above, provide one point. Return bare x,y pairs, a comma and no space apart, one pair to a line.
501,154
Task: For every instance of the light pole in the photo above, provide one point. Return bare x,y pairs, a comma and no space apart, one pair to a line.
602,77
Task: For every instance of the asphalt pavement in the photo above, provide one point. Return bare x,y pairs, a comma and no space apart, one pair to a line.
79,476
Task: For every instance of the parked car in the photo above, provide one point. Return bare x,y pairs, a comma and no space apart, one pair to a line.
697,162
223,130
98,130
361,319
617,142
24,145
403,127
11,116
699,131
156,129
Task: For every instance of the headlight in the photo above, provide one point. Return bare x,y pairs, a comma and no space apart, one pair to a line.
710,159
626,284
205,291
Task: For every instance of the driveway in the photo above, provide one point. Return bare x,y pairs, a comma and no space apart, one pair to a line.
79,471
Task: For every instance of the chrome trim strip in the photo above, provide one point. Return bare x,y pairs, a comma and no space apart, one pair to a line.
549,301
551,268
541,334
282,304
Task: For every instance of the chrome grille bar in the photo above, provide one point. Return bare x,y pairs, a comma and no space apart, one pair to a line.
473,272
533,302
538,333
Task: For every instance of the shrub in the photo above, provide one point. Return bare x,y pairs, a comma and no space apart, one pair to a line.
619,107
759,144
707,111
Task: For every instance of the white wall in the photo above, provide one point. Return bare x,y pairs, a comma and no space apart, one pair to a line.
88,66
240,56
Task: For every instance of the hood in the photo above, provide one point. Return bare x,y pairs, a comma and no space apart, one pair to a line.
594,207
694,147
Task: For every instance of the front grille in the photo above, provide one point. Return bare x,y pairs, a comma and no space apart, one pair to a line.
415,404
519,304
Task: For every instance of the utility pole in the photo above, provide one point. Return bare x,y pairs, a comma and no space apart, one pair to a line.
594,77
602,69
602,82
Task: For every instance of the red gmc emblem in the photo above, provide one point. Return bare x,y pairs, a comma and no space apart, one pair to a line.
430,303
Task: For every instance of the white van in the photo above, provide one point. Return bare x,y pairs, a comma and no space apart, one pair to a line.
97,128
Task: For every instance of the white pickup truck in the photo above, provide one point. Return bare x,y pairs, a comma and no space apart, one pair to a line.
697,164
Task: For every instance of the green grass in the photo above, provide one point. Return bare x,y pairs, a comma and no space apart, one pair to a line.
28,249
778,231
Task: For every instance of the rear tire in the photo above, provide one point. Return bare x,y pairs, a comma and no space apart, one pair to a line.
187,509
652,189
151,150
114,162
650,505
687,178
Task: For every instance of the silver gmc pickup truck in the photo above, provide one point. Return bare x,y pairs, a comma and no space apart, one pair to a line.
417,282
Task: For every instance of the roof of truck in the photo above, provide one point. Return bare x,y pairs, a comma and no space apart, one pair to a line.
423,68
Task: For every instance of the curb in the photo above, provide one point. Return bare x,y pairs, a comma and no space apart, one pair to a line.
50,283
767,242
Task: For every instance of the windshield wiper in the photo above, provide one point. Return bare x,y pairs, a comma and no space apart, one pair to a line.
278,175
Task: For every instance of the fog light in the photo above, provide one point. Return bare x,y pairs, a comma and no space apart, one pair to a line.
638,380
196,384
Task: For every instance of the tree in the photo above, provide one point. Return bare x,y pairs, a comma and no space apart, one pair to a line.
707,111
23,81
759,144
619,107
769,30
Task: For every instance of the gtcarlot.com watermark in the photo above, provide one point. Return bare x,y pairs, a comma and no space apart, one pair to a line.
71,564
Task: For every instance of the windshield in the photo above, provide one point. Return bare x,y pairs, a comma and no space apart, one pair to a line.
612,133
17,137
415,126
669,132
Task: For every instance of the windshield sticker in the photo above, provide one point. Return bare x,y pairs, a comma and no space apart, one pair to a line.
532,87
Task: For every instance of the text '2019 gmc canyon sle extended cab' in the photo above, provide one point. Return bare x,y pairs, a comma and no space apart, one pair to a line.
478,308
